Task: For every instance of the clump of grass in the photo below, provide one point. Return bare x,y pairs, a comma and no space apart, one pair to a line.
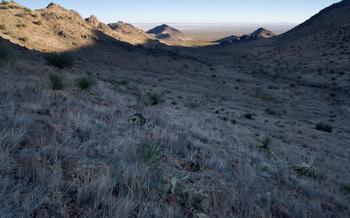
148,153
346,188
248,116
264,143
305,170
56,82
23,39
85,83
324,127
270,111
152,99
60,60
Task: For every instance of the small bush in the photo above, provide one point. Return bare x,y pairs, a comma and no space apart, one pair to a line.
85,83
2,27
56,82
21,25
324,127
248,116
148,153
59,60
23,39
305,170
152,99
38,22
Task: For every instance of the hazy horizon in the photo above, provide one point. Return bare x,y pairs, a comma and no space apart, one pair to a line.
194,12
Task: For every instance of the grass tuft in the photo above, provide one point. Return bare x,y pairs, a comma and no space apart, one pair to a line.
152,99
85,83
305,170
60,60
148,153
56,82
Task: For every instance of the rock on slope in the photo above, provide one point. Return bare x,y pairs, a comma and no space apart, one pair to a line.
55,28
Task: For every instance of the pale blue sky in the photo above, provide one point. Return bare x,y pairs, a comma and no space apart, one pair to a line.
192,11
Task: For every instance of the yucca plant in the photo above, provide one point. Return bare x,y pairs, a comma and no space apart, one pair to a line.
56,82
59,60
85,83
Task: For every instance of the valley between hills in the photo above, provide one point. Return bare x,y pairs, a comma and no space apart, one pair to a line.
108,120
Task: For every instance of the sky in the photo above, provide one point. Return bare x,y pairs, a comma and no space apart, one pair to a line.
192,11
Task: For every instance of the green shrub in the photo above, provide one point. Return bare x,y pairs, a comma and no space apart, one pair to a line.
56,82
324,127
59,60
152,99
148,153
85,83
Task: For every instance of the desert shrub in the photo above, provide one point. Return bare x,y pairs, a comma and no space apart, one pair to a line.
38,22
305,170
2,27
56,82
23,39
85,83
324,127
60,60
248,116
264,143
21,25
152,99
346,188
28,10
148,153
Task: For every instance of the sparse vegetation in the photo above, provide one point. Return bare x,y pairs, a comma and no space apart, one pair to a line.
324,127
148,153
264,143
23,39
2,27
249,116
152,99
60,60
56,82
85,83
4,53
21,25
305,170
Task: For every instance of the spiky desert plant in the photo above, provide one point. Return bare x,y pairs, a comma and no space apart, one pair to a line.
60,60
56,82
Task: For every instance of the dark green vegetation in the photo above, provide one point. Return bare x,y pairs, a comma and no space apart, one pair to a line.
60,60
56,82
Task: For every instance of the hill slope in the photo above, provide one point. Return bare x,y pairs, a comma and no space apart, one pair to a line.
167,33
260,33
57,29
